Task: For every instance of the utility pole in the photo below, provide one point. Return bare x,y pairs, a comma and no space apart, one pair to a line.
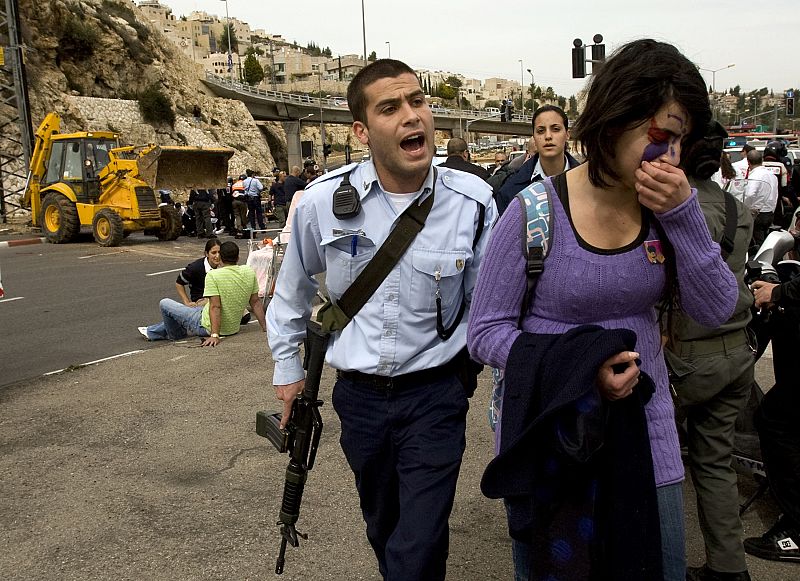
16,138
272,70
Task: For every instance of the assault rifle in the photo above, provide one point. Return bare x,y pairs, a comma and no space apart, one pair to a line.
300,438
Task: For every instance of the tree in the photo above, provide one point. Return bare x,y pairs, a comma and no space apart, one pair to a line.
253,72
736,90
562,102
454,82
327,52
491,103
549,93
228,31
573,107
372,57
445,91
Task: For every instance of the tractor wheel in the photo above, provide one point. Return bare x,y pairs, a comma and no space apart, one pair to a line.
107,228
170,223
59,219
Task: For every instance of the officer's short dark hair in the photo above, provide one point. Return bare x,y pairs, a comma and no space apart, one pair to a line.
456,145
229,252
249,173
380,69
629,88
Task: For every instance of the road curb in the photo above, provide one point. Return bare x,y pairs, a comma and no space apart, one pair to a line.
23,242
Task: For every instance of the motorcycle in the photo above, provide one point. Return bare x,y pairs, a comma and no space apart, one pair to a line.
777,325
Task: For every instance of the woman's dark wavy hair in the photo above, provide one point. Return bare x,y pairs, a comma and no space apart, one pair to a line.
629,88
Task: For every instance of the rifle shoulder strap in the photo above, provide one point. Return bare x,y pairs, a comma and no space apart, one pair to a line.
731,222
536,232
335,316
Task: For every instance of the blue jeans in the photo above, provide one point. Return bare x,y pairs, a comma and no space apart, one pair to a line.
673,538
179,322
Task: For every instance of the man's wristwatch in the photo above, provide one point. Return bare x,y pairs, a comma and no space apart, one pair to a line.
215,335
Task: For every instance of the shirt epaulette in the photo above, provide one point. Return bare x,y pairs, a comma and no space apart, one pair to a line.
466,184
332,174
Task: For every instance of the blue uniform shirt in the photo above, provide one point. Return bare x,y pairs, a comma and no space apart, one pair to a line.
395,331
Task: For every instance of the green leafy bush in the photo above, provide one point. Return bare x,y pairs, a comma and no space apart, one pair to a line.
155,106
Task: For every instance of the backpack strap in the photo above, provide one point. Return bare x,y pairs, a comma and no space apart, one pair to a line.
536,232
731,221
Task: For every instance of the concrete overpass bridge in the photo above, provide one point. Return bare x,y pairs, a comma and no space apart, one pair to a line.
291,108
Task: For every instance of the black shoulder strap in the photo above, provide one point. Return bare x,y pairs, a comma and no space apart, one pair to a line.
335,317
731,221
445,334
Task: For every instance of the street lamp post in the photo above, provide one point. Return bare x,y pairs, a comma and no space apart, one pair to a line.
364,32
521,89
530,72
389,44
321,126
228,34
714,82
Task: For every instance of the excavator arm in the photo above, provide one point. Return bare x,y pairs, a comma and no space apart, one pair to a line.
43,144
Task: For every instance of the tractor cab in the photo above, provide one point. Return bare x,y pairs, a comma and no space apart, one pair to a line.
77,161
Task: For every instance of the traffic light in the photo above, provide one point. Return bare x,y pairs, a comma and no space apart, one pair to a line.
326,149
578,59
790,106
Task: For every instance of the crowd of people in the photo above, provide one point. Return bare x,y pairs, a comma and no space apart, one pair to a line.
635,304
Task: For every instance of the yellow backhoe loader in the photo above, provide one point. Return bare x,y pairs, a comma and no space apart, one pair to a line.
86,179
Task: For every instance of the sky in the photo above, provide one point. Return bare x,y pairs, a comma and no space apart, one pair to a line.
482,39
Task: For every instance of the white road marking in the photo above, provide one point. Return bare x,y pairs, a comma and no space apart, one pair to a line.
11,299
128,354
164,272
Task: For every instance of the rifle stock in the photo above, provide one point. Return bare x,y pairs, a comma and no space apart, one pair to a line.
300,438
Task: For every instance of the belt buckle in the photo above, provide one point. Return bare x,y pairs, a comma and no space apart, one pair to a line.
383,382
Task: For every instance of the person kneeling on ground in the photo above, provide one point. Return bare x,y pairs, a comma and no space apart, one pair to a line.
228,288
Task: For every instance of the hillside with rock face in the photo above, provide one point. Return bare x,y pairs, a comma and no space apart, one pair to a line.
106,49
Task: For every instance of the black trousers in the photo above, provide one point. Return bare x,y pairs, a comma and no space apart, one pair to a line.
405,447
778,417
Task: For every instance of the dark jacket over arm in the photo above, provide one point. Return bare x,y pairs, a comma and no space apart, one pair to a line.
576,470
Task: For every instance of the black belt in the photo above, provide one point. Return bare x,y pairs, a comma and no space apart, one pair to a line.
386,383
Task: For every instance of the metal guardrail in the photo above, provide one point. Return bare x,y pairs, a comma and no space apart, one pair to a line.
338,102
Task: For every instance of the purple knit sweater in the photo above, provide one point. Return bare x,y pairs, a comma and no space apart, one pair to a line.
614,289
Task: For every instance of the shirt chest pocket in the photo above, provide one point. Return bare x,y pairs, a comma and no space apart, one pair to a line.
436,269
345,259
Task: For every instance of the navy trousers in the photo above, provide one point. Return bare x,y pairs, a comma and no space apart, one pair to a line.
405,447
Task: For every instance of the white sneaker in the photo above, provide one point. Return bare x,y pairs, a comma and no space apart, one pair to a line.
220,231
143,331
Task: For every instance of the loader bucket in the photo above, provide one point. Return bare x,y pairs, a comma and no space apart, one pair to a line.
182,167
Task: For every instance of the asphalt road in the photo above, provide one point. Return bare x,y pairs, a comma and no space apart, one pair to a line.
70,304
148,466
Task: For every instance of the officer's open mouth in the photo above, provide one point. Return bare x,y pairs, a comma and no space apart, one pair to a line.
413,143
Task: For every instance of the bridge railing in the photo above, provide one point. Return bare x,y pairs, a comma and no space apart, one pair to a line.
336,102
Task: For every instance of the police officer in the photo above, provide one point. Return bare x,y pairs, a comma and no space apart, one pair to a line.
402,408
712,375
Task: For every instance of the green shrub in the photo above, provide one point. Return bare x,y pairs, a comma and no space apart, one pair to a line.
77,40
155,106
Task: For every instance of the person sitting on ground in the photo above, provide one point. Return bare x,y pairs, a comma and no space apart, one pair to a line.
194,275
229,289
458,158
